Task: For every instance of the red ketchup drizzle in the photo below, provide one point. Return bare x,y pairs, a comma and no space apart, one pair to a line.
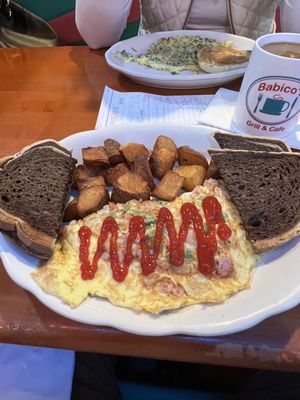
206,240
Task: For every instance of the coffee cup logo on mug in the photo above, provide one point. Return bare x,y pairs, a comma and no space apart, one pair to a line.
268,102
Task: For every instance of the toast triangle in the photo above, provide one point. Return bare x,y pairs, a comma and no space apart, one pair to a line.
34,189
265,188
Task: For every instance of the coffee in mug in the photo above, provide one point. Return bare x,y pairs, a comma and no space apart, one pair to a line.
284,49
268,101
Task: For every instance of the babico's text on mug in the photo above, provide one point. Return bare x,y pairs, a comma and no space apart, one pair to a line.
271,101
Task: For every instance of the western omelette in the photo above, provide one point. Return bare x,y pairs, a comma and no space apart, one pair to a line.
167,287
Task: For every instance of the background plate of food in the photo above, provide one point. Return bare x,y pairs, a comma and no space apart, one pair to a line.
242,289
181,59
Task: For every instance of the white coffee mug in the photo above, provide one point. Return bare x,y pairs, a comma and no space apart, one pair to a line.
268,102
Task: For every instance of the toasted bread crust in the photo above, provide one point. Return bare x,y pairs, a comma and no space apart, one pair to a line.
265,245
46,142
34,241
242,141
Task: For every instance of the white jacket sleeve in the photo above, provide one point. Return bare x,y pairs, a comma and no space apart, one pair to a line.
101,22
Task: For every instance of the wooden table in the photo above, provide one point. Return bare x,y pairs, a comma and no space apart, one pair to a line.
56,92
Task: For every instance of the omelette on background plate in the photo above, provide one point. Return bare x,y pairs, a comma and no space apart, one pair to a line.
176,54
167,287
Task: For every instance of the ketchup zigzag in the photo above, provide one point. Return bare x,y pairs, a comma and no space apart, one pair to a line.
206,240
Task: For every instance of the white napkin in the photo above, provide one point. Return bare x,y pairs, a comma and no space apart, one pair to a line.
219,114
34,373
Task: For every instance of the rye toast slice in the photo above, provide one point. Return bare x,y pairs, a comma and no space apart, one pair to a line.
236,141
34,189
265,188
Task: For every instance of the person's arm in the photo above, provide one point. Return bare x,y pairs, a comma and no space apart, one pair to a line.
101,22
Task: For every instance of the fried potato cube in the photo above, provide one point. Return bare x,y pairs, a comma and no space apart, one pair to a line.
90,199
95,157
212,171
90,181
128,187
81,172
141,167
189,156
71,211
115,172
131,150
161,161
163,156
193,175
169,186
112,148
165,142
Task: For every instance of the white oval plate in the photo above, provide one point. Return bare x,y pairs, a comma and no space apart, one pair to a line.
275,285
164,79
